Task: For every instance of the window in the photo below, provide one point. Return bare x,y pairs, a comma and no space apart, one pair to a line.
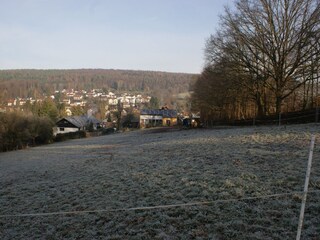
61,129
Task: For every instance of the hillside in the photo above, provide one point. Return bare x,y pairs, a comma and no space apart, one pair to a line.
233,183
35,83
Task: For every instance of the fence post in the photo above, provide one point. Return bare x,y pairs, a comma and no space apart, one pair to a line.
305,190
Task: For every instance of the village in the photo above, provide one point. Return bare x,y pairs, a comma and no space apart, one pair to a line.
74,98
91,110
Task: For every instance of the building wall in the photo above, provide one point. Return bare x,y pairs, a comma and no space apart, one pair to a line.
156,120
169,122
61,130
150,121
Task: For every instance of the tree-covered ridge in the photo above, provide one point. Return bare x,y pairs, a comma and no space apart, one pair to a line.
34,83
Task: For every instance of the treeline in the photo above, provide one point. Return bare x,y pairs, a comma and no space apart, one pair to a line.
35,83
263,60
18,130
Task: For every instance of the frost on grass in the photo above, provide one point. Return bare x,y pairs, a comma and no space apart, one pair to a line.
140,169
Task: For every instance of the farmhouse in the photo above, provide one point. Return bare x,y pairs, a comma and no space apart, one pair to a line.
76,123
158,117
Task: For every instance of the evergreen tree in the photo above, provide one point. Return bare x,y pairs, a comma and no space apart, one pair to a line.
154,103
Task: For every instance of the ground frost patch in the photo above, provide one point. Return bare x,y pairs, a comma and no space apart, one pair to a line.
229,169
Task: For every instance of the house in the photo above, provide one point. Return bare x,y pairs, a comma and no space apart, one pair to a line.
196,120
12,102
77,97
22,102
113,101
66,101
158,117
68,111
76,123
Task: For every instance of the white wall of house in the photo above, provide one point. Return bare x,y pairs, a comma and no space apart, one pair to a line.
150,119
58,130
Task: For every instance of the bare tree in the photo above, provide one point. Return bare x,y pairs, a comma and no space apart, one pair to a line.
218,96
273,42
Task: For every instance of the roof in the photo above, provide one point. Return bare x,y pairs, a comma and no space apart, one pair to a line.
93,120
167,113
80,121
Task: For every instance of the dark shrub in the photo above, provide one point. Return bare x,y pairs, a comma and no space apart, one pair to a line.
18,131
71,135
108,131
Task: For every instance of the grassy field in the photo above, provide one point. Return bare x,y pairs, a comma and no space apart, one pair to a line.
228,173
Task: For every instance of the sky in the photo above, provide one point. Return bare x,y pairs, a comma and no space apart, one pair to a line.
155,35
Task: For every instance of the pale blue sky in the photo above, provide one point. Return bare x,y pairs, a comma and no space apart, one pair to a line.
158,35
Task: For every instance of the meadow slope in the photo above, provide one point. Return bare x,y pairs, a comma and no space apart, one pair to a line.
230,170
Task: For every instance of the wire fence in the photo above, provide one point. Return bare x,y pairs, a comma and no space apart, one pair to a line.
158,207
307,116
292,117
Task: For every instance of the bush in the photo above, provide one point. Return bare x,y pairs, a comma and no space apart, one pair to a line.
18,131
71,135
108,131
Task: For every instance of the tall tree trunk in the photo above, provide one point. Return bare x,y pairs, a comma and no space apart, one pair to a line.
260,109
260,106
278,104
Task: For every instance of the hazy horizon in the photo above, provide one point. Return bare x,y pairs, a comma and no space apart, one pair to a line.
93,69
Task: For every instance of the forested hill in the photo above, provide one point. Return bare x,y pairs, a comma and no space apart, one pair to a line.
30,83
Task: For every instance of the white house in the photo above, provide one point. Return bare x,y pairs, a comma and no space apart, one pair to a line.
75,123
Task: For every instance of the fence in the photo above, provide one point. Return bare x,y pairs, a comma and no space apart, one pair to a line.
306,116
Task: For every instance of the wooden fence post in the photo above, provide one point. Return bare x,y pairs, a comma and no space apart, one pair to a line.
305,190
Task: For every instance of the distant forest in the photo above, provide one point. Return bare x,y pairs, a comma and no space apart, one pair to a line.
36,83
